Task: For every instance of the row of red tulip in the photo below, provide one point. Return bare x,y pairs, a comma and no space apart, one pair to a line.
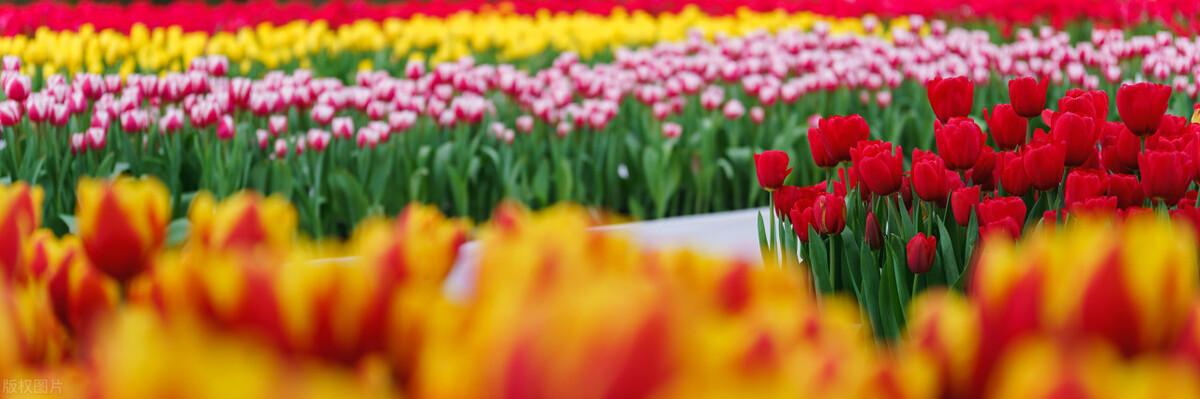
1085,164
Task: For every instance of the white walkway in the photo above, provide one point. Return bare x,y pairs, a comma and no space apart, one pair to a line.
730,234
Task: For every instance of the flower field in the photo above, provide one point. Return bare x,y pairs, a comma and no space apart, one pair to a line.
265,199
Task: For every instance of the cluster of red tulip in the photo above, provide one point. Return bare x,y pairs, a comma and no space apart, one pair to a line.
199,16
879,217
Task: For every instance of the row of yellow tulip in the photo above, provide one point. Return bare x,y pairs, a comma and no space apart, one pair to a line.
506,35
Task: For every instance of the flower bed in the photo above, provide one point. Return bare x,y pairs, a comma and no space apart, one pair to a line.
884,232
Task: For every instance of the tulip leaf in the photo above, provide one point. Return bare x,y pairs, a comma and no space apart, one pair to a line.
850,263
819,261
869,271
178,231
71,222
763,245
951,264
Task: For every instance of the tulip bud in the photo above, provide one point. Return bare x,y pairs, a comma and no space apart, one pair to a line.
10,113
1006,126
1005,214
322,114
1044,161
226,129
829,214
671,130
343,127
171,121
757,115
1165,174
920,253
772,168
872,234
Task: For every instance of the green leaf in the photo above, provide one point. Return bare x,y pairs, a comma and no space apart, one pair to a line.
177,232
819,261
946,243
72,224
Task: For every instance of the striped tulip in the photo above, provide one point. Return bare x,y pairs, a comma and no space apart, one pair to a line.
122,223
20,215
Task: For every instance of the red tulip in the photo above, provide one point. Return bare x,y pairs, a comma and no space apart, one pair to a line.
1010,171
1171,126
1142,106
1119,148
963,202
1006,214
1085,184
801,218
921,250
829,214
872,234
1044,162
1078,134
1127,189
958,142
1102,205
929,177
1165,174
1006,126
832,140
983,173
772,168
788,197
880,167
1093,103
1027,95
950,97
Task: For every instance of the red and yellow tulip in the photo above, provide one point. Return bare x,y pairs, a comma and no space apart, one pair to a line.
122,223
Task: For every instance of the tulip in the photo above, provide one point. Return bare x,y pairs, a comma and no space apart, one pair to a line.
831,141
1006,214
1027,95
81,295
1085,184
10,113
802,218
20,215
929,177
872,234
1100,205
18,88
920,252
757,115
950,97
245,221
1077,133
1006,126
1119,148
1142,106
984,171
122,223
277,125
1044,162
1127,189
772,168
1165,175
734,109
829,214
1093,103
672,130
226,129
880,167
963,202
959,142
343,127
1010,172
